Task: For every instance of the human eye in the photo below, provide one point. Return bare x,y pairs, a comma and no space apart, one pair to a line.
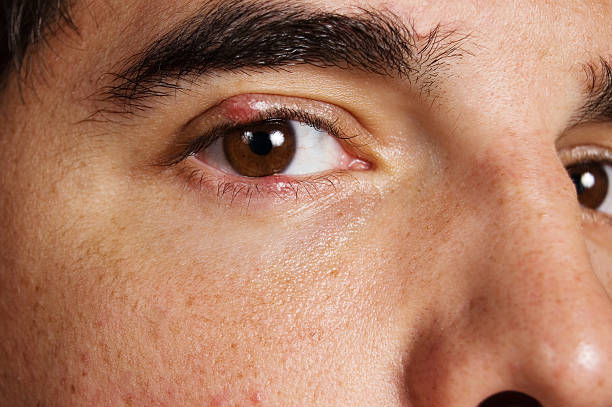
269,143
276,146
590,169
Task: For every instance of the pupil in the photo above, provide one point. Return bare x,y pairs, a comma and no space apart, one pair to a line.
577,179
260,143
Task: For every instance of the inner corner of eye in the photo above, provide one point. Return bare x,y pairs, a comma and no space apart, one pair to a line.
359,165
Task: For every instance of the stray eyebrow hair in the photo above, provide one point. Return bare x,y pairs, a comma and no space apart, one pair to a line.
248,36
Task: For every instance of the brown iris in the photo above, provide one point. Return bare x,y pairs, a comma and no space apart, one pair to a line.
260,150
591,183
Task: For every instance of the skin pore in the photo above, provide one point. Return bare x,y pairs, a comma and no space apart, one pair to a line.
454,264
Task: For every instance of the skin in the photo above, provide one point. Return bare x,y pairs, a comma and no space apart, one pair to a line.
458,265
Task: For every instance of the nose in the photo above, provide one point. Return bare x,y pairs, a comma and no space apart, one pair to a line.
533,324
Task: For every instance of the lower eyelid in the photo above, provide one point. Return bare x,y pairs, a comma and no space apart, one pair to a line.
277,189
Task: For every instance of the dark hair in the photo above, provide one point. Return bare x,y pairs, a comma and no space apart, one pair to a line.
24,23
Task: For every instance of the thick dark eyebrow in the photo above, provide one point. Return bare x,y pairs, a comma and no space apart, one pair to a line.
598,106
247,36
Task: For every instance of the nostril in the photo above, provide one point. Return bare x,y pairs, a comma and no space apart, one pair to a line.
510,399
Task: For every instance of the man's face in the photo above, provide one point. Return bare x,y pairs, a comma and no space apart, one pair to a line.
331,203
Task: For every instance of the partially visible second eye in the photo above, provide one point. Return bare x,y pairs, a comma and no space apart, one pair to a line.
592,181
275,147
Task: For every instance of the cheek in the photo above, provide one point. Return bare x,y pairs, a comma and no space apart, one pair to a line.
153,297
600,251
168,303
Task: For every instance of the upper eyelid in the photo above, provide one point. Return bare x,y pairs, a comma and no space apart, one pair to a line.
199,133
217,132
582,153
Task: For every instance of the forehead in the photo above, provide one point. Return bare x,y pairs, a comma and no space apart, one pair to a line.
475,14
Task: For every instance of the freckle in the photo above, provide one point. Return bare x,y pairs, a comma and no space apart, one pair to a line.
333,273
190,301
72,389
233,346
37,288
340,214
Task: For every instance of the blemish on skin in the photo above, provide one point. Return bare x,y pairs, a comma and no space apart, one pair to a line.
219,400
333,272
256,398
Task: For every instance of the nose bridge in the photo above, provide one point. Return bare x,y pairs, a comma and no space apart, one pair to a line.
536,319
532,224
548,316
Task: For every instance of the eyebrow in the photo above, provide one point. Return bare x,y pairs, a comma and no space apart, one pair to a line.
247,36
598,106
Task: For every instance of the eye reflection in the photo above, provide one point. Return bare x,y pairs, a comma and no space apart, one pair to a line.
262,149
592,183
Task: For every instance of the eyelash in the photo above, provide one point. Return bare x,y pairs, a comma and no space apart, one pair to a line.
233,187
218,132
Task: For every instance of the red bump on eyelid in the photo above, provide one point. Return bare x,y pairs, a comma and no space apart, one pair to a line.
241,108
